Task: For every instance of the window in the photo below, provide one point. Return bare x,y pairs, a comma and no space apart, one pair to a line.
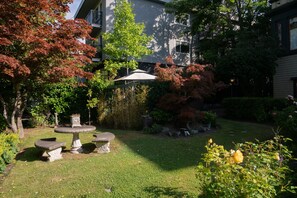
183,19
182,47
293,33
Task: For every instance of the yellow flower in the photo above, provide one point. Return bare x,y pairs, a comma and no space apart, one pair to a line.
210,141
238,156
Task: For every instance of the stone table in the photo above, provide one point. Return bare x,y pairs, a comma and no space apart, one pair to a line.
76,144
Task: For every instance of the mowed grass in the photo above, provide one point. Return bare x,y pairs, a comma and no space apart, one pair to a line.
139,165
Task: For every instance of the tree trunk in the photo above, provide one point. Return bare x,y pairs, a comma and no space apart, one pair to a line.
89,109
20,127
14,120
56,120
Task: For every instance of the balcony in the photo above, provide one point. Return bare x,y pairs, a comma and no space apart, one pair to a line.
94,18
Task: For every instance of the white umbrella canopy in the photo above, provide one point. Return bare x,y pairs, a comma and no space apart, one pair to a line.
137,75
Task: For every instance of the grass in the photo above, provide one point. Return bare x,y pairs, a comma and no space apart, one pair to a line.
139,165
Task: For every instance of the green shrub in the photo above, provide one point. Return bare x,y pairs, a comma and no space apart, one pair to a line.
208,117
154,129
253,109
160,116
8,149
156,91
286,119
253,170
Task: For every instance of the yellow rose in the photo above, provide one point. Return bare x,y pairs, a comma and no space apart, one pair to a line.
210,141
238,156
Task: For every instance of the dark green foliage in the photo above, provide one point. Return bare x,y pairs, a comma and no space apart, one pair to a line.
253,109
154,129
3,123
236,37
157,90
287,121
161,117
208,117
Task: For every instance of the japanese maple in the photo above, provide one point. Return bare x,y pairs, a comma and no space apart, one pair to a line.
187,84
37,45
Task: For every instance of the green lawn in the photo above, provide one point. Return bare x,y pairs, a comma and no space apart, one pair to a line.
139,165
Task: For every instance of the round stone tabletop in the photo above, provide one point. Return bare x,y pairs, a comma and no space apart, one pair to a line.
84,128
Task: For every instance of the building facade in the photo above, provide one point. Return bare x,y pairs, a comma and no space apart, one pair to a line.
170,34
284,23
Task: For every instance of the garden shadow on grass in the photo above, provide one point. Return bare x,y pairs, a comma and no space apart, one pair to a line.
166,152
29,154
88,148
157,191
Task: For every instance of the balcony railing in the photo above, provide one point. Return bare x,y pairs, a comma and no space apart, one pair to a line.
94,18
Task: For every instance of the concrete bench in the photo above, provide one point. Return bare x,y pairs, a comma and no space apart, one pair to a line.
51,149
102,141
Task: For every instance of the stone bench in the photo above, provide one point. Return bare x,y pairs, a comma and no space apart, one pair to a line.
102,141
51,149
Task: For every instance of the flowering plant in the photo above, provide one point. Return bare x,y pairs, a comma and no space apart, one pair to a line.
251,170
287,119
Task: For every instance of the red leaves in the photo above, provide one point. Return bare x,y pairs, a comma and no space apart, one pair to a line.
12,67
193,80
5,41
187,84
36,39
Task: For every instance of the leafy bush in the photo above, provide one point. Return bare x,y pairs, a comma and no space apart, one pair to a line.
154,129
253,170
8,149
208,117
160,116
286,119
156,91
253,109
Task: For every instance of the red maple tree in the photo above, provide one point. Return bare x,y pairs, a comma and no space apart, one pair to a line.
187,84
37,45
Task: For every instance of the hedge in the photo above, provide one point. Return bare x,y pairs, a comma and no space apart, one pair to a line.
253,109
8,149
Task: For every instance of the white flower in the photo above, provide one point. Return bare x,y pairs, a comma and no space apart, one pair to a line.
232,152
290,97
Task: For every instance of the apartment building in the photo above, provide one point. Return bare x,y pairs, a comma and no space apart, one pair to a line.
284,23
170,33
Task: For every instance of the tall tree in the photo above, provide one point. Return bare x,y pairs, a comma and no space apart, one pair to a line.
127,42
37,45
235,37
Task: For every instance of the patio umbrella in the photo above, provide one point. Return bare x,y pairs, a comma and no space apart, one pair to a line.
137,75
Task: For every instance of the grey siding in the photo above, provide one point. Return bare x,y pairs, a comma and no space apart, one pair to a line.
158,24
282,83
